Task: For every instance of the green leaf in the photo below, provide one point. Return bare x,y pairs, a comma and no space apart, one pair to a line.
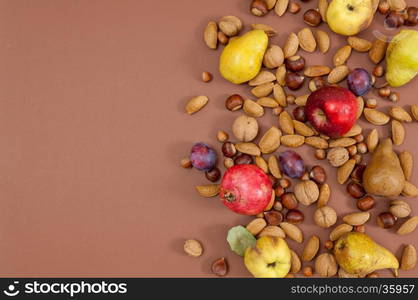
239,239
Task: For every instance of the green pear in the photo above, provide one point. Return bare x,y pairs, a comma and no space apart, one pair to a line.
358,254
402,58
242,58
383,175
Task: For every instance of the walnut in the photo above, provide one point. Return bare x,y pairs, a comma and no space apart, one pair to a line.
338,156
306,192
325,217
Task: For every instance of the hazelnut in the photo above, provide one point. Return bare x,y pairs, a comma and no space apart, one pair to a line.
359,228
365,203
243,159
316,83
228,149
386,220
228,163
294,80
329,245
193,248
186,163
373,275
222,136
352,150
362,148
289,201
378,71
383,7
355,190
206,76
394,97
277,206
307,271
299,114
412,16
357,174
358,158
371,103
279,190
295,216
293,7
273,217
325,217
295,63
290,99
285,183
312,17
320,154
359,138
277,110
222,38
259,8
384,92
234,102
318,174
220,267
213,175
394,20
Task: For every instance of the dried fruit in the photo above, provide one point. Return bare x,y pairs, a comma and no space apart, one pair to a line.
358,218
245,128
193,248
220,267
325,216
195,104
409,258
311,248
408,226
307,40
239,239
326,265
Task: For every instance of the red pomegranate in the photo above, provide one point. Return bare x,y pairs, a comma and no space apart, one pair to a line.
246,189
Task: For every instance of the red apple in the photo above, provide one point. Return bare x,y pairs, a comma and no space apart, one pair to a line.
246,189
332,110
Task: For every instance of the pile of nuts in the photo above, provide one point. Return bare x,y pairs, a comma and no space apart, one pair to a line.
287,69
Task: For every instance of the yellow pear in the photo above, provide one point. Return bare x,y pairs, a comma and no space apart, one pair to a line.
383,175
349,17
358,254
269,258
402,58
242,58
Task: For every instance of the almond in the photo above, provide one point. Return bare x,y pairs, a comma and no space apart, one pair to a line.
358,218
292,231
273,57
256,226
311,248
263,90
271,4
281,75
323,7
292,140
317,142
342,142
414,111
355,130
291,46
301,100
409,190
338,231
274,168
270,140
261,78
208,190
270,31
324,195
378,50
407,163
398,113
316,71
279,95
281,7
286,123
248,148
338,74
267,102
210,35
372,140
376,117
397,5
409,226
322,39
307,40
295,263
360,106
302,128
358,44
409,258
253,109
398,133
195,104
262,164
272,231
342,55
344,172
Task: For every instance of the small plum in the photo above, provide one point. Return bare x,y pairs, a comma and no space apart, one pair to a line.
359,81
292,164
202,157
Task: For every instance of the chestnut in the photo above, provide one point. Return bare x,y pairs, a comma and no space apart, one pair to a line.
318,174
259,8
357,174
295,63
355,190
228,149
243,159
289,201
412,16
294,81
312,17
213,175
299,114
386,220
366,203
295,216
234,102
394,20
273,217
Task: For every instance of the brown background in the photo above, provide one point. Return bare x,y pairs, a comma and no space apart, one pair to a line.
92,129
